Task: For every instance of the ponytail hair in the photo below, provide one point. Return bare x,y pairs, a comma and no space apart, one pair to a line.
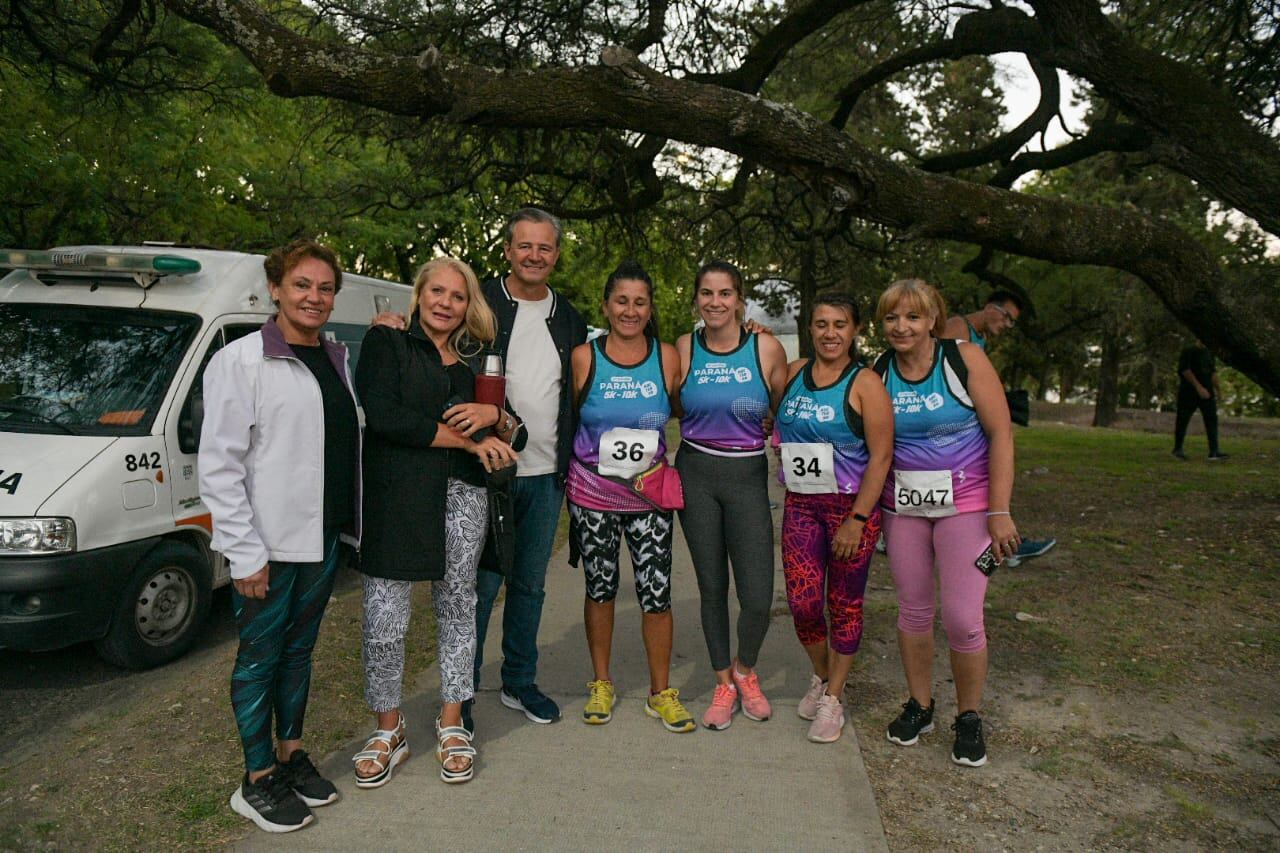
630,270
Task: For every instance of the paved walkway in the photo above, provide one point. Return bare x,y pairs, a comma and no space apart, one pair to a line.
626,785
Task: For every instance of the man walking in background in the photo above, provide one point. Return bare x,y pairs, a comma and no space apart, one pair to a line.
1198,388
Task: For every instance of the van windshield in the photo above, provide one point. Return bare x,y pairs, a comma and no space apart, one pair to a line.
75,369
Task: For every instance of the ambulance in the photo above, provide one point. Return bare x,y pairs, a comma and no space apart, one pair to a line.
103,536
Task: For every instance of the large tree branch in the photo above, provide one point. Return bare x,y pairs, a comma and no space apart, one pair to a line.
848,176
1106,135
1199,130
655,26
978,33
796,25
1004,147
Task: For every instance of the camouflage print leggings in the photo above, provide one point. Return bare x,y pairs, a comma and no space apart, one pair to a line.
598,535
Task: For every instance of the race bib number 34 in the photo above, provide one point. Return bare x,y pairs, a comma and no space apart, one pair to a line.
924,493
808,469
627,452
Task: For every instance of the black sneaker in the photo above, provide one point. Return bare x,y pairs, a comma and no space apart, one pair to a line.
970,749
1178,454
301,775
271,804
536,706
911,723
1218,457
467,722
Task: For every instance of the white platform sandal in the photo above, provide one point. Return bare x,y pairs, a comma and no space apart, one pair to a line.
397,750
446,753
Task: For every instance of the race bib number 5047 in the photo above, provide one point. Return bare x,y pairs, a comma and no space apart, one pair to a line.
925,493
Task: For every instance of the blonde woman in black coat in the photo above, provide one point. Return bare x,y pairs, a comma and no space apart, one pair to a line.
427,449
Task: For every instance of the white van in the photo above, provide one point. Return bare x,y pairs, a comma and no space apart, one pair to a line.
103,535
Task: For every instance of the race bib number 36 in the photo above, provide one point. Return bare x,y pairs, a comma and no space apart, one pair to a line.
924,493
627,452
808,469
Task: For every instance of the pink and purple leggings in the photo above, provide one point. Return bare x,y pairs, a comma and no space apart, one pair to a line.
816,580
953,543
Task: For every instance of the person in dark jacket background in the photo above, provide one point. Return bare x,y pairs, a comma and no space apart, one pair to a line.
427,449
1198,388
537,331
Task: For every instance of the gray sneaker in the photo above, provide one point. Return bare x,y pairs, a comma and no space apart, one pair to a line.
809,702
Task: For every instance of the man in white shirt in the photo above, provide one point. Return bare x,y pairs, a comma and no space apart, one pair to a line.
537,331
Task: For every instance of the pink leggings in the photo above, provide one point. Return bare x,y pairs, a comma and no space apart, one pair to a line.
953,543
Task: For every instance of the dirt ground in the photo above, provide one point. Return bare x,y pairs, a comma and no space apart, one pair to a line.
1132,706
1136,707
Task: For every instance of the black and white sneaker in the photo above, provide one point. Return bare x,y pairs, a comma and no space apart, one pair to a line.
911,723
301,775
537,706
271,804
970,749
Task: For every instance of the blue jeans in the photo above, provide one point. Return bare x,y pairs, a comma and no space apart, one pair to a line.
537,503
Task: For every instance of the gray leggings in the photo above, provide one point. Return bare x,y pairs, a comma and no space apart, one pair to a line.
726,519
387,607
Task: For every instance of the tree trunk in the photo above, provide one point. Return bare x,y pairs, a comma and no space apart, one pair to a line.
1104,409
1068,376
806,289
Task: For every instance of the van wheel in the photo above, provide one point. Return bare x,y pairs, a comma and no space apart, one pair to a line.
161,609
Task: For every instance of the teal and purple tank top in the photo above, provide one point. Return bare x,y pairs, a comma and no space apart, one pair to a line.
621,405
935,430
812,415
724,398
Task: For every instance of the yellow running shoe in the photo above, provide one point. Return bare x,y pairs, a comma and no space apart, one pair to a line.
666,707
599,708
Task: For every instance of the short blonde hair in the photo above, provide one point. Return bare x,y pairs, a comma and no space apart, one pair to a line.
478,325
919,296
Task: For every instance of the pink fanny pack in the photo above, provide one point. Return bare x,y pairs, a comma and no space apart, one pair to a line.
659,487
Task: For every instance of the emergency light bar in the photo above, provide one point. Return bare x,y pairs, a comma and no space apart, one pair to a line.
144,269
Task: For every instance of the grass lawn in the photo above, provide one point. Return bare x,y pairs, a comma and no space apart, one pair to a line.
1136,707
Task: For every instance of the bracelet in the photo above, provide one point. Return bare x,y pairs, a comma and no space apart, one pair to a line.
998,512
857,516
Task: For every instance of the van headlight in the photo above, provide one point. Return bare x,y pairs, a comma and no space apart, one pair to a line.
37,535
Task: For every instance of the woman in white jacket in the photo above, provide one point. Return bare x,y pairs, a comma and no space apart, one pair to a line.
280,473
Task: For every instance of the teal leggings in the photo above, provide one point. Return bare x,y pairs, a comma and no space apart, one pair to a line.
273,666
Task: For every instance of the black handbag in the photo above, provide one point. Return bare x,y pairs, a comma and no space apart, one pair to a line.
499,553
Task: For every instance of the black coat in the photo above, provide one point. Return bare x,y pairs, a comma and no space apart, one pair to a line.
403,389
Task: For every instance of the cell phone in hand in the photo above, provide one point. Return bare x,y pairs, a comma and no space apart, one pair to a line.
455,400
987,562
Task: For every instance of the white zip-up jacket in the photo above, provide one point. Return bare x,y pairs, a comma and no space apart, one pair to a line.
261,455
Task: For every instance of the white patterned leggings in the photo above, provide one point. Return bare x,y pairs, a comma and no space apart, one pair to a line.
387,606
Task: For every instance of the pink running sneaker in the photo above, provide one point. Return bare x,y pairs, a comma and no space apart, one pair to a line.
754,705
719,715
829,722
809,702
